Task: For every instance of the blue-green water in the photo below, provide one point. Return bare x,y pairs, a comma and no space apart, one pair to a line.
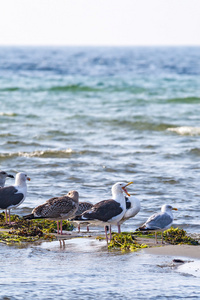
85,118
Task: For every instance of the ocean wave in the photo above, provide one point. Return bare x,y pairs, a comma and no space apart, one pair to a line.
195,151
10,89
8,114
185,130
39,153
189,100
73,88
47,153
140,125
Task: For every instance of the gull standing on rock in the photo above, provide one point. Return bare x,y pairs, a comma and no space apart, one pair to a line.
108,212
159,221
13,196
57,209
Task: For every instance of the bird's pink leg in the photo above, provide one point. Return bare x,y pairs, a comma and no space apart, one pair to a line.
110,232
119,228
156,237
79,227
6,216
58,227
106,235
9,216
61,227
162,237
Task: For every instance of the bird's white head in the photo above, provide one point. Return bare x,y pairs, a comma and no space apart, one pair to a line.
21,178
167,207
120,187
3,176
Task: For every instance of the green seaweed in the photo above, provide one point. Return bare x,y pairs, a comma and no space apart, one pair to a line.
125,242
22,230
177,236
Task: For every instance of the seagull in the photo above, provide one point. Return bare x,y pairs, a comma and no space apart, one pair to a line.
132,209
3,176
82,207
159,221
12,196
107,212
57,209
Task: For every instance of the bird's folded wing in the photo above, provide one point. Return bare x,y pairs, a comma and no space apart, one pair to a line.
54,209
103,211
159,221
9,196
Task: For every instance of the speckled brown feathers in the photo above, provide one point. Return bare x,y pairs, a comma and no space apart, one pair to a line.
83,206
57,208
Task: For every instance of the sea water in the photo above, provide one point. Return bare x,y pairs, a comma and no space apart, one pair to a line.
85,118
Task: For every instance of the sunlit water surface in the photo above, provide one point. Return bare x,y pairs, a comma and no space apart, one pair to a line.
85,118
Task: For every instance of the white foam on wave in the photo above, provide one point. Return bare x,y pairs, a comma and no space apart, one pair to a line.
45,152
8,114
192,268
185,130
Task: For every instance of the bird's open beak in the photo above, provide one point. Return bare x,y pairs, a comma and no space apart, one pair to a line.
28,178
174,208
11,176
124,188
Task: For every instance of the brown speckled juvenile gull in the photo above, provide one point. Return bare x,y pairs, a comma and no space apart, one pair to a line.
57,209
83,206
12,196
3,176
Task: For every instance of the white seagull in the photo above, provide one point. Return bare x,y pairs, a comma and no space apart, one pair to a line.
132,209
108,212
3,177
159,221
13,196
57,209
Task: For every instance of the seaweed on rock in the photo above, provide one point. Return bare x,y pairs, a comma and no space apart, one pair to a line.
125,242
176,236
22,230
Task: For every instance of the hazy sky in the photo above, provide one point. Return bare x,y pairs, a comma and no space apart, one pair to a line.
99,22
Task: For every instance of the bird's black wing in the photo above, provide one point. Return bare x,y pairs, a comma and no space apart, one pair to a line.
128,203
9,197
103,211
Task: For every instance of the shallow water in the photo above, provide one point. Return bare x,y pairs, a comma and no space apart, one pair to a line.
84,269
85,118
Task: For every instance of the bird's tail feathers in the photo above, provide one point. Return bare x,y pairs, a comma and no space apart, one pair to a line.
31,216
78,218
142,228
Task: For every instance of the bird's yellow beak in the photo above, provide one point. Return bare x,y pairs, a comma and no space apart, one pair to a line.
174,208
124,188
28,178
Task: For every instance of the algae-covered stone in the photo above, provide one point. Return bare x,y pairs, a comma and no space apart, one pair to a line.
125,242
22,230
176,236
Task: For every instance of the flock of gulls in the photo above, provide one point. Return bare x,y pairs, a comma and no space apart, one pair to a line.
114,211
